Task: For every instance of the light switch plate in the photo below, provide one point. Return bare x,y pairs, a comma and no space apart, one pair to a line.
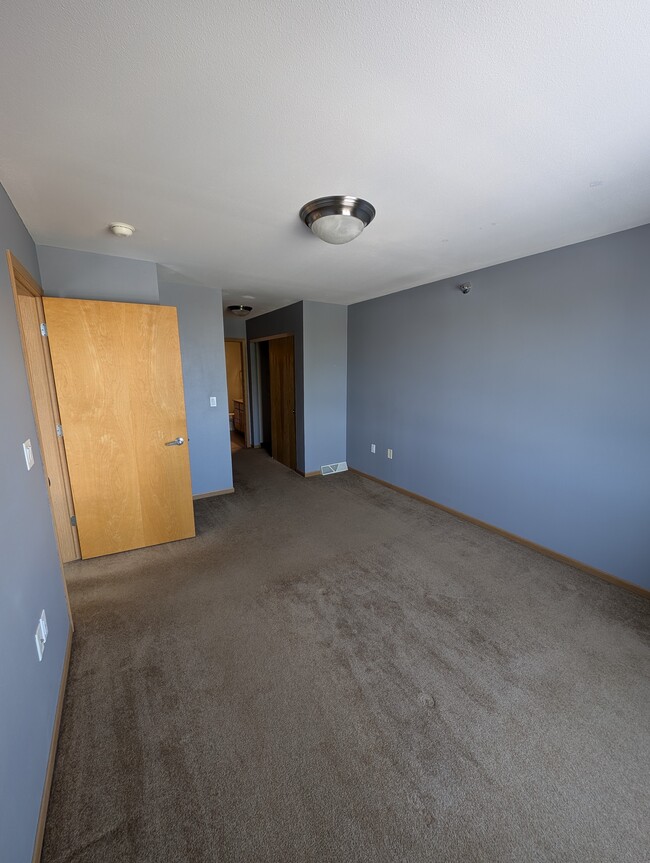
40,636
29,454
373,448
213,401
389,453
40,644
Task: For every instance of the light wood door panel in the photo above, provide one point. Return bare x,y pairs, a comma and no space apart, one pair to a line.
283,400
118,376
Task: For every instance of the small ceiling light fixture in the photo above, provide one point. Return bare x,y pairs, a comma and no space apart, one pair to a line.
337,219
466,287
240,311
121,229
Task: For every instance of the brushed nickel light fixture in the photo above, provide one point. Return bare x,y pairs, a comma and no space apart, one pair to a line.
337,219
240,311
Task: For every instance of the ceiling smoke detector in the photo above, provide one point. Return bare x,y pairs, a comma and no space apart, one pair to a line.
240,311
121,229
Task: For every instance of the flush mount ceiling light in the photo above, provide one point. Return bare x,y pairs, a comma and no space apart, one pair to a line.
121,229
337,219
240,311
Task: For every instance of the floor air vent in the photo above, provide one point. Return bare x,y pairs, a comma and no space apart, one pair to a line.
333,468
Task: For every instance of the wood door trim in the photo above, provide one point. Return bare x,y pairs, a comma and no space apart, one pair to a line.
22,282
541,549
269,338
28,302
47,785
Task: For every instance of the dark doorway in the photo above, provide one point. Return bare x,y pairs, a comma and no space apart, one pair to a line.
283,400
265,397
277,398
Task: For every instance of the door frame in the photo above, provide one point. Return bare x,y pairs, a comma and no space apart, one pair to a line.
40,380
45,407
256,386
244,364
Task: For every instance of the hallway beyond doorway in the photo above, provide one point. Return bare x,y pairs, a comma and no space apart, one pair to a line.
237,441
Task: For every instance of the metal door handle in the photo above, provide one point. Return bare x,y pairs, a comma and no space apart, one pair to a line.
178,442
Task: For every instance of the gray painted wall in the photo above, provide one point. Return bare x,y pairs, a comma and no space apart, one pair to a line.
285,320
325,375
525,403
320,333
30,580
90,276
233,327
200,325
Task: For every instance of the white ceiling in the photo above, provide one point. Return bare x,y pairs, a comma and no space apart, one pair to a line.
481,130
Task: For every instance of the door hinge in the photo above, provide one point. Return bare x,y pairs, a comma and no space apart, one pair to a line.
59,430
73,520
43,329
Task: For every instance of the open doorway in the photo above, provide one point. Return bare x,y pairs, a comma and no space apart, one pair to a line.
276,397
237,377
264,378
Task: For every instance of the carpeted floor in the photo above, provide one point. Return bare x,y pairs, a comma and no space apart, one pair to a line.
334,672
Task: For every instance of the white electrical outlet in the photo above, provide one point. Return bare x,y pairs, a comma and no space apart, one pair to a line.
389,453
40,636
213,401
373,448
29,454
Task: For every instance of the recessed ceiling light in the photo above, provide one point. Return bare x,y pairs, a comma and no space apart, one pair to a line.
121,229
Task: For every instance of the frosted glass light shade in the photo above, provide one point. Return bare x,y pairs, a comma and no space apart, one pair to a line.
337,219
337,229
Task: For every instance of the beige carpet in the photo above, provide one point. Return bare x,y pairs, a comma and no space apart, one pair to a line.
333,672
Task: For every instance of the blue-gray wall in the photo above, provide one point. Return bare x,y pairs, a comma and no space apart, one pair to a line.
200,325
233,327
325,381
286,320
30,580
525,403
91,276
320,338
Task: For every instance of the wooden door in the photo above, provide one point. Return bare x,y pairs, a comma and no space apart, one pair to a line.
118,377
283,400
38,364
